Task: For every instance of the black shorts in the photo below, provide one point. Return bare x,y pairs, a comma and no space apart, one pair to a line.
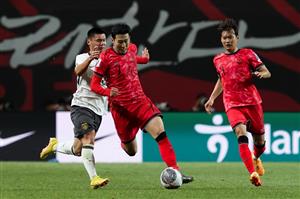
84,120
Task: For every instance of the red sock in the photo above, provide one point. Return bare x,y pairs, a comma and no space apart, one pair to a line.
246,157
258,150
167,152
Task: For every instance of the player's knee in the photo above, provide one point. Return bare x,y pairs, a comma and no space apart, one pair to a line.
76,149
88,138
239,131
156,132
77,152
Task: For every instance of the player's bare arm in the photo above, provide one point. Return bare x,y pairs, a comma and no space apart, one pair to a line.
81,68
262,72
216,92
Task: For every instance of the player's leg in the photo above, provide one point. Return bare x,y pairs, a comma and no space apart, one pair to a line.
86,123
238,122
258,135
49,149
87,154
70,147
259,144
155,128
127,128
245,153
259,148
130,147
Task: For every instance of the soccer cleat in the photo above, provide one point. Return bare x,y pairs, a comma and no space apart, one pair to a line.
186,179
255,179
49,149
259,168
97,182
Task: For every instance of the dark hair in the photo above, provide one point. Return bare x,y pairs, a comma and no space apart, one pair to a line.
227,25
121,29
94,31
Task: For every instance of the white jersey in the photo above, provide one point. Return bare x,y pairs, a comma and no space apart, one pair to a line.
83,96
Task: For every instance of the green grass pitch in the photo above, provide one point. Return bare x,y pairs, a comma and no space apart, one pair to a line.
44,180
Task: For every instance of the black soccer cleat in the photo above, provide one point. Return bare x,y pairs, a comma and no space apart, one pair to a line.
186,179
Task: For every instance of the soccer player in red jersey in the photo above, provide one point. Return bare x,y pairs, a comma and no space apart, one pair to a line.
130,107
243,104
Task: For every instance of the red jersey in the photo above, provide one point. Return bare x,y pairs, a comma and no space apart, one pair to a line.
235,72
120,71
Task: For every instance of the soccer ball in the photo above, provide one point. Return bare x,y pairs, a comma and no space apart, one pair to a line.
170,178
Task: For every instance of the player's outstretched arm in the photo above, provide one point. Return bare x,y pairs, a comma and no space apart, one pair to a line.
216,92
144,59
262,72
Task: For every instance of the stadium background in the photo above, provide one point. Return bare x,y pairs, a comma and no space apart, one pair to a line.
39,41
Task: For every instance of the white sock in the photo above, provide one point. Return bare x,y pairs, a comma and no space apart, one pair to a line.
65,147
87,154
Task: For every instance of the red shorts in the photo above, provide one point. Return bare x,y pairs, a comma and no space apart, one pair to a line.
252,116
130,118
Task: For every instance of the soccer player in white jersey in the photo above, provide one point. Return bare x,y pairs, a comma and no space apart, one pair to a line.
87,109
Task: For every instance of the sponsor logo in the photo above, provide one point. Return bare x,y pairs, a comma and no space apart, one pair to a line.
278,142
9,140
84,126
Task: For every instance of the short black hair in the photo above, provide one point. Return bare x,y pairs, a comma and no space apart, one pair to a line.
227,25
95,30
121,29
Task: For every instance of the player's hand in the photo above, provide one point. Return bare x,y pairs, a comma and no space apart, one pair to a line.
114,92
94,54
209,106
258,74
145,53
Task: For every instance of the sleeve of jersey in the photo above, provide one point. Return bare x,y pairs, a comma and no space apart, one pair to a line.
214,62
132,47
95,83
142,60
254,59
76,60
139,59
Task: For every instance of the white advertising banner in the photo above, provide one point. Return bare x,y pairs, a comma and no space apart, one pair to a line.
107,145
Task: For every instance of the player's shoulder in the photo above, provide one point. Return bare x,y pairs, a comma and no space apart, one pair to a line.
132,47
107,52
219,56
246,50
82,56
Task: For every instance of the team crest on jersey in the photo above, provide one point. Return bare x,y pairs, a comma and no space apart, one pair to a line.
84,126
